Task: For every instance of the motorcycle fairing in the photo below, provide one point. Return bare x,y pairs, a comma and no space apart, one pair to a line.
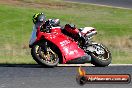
67,46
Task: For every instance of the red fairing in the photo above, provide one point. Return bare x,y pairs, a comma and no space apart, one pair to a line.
74,31
67,46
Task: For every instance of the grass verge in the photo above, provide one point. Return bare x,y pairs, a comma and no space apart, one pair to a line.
113,26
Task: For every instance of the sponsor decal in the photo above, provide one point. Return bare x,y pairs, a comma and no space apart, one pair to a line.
83,78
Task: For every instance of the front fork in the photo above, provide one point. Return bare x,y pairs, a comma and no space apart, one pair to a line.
44,47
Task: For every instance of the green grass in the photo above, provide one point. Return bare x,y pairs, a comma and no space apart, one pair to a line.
113,26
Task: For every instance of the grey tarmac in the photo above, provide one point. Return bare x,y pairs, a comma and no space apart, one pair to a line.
35,76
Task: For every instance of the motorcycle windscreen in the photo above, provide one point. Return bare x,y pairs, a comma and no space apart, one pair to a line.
33,36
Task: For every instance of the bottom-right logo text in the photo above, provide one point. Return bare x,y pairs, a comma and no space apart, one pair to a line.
83,78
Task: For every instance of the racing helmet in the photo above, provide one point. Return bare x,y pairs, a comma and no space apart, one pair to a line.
39,18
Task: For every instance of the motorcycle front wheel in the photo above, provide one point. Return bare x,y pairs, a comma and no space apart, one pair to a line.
101,57
48,58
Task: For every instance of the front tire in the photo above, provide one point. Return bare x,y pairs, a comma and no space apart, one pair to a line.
49,59
103,59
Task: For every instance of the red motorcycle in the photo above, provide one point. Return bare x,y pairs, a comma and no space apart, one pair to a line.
55,46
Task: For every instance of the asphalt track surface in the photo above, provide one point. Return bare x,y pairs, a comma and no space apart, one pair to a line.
116,3
35,76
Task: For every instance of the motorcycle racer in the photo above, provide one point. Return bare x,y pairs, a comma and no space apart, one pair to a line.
40,22
51,46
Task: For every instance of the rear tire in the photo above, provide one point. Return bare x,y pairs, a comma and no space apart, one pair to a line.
49,59
103,59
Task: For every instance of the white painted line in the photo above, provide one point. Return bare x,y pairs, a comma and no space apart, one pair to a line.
120,65
101,5
84,65
74,65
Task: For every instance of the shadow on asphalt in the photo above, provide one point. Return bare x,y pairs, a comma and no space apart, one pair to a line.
24,65
34,66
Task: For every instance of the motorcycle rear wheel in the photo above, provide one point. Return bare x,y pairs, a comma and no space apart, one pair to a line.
101,60
49,59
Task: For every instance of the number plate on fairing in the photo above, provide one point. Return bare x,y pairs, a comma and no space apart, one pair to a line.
87,29
91,49
65,42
